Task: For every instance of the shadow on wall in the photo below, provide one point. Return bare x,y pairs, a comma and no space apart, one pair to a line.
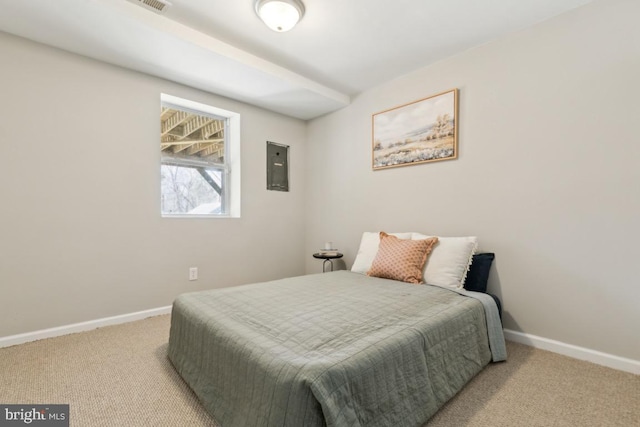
338,264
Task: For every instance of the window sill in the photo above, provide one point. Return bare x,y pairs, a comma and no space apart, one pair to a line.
192,216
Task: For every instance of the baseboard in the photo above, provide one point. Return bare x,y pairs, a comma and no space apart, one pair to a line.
604,359
581,353
81,327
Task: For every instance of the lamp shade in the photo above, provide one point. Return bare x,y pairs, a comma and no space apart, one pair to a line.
280,15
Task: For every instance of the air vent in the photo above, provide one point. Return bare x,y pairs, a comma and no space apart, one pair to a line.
157,6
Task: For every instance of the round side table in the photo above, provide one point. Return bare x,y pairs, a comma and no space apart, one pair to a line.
327,259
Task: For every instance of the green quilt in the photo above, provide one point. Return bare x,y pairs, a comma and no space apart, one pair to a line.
336,349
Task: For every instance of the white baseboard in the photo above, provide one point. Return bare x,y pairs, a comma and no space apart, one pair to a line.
81,327
604,359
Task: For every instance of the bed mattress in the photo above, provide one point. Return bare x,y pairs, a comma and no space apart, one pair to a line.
335,349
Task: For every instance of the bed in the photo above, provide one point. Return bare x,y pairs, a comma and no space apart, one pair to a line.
335,349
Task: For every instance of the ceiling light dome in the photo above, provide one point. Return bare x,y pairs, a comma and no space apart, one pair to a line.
280,15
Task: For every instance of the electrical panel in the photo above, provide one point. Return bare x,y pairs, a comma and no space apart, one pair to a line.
277,167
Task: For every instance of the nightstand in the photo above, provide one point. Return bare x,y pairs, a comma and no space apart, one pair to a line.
327,259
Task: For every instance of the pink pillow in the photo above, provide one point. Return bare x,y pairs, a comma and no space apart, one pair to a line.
400,259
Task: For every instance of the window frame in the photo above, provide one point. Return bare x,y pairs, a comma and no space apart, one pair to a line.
230,185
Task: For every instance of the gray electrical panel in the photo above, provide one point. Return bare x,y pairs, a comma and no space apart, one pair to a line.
277,167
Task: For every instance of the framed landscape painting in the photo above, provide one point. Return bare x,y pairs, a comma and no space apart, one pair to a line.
418,132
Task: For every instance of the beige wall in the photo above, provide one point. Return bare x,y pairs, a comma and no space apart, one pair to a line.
547,176
81,236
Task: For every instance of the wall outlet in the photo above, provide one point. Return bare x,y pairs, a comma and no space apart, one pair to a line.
193,273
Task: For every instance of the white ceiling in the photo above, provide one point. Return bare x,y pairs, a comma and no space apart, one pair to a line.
339,49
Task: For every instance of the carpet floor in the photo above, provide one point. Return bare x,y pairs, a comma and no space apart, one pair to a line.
120,376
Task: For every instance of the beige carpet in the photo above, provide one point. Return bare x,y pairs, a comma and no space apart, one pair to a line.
120,376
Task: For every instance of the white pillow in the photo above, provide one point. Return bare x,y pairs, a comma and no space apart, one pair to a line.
449,261
369,248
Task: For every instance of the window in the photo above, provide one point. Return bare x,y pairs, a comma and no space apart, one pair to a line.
200,164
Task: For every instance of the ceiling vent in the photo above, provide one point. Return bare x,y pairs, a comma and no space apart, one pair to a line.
157,6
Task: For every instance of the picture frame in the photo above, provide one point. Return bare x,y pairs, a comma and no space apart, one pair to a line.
421,131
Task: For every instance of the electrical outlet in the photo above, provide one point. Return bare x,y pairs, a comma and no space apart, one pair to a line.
193,273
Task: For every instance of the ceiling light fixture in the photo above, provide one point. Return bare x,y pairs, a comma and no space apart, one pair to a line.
280,15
